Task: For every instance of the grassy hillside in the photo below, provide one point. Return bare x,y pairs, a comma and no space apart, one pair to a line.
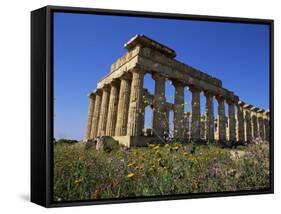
81,174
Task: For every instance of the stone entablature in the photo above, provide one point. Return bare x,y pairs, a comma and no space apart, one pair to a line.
117,105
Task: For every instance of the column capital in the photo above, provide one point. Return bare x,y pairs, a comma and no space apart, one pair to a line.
137,69
194,88
91,95
115,82
176,83
220,98
98,91
158,77
208,94
229,101
106,87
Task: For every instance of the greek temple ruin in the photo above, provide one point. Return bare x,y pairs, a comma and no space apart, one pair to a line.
116,107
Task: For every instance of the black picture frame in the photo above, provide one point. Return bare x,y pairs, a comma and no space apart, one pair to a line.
42,95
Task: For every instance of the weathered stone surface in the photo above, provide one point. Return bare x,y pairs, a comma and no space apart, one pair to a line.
240,123
178,109
96,114
112,109
123,106
248,122
120,112
209,116
186,125
103,111
158,104
254,123
221,119
231,121
136,111
195,114
92,98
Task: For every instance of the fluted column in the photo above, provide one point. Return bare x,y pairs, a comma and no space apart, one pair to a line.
266,122
112,108
186,125
203,126
231,121
159,99
96,114
221,119
240,123
123,105
136,110
248,123
196,115
254,122
90,116
261,127
178,109
209,127
104,110
166,120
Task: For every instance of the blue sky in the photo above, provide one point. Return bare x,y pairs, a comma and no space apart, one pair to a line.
85,46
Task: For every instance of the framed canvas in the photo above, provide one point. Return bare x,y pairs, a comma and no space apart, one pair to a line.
131,106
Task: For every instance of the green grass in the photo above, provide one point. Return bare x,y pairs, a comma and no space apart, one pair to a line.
81,174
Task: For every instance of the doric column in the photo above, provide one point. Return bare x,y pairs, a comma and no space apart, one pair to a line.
254,122
196,115
209,127
261,131
112,108
166,120
240,123
123,105
231,121
266,122
203,126
178,109
96,114
103,110
92,98
221,119
136,111
248,122
186,125
158,104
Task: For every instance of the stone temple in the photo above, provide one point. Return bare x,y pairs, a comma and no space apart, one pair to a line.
116,107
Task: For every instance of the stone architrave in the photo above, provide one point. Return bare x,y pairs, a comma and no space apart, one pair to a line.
196,115
209,127
240,123
96,114
103,111
158,104
123,105
231,121
112,108
92,98
221,119
178,109
136,110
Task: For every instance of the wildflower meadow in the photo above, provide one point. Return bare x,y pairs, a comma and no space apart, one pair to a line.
155,170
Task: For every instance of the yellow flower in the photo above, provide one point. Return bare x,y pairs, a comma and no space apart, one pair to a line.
131,164
130,175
